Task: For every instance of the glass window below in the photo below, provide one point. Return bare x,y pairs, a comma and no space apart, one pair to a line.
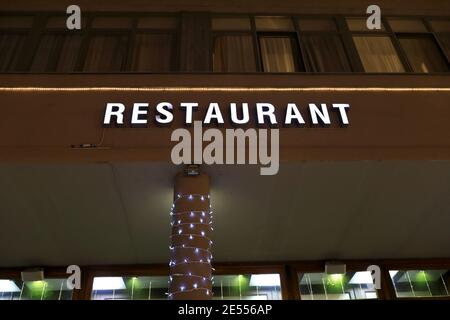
130,288
420,283
48,289
349,286
247,287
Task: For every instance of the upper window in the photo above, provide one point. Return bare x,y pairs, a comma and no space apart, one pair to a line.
155,45
377,53
278,44
150,48
375,47
105,53
57,52
279,52
420,283
104,44
322,46
441,28
162,43
13,39
423,53
233,47
275,48
420,47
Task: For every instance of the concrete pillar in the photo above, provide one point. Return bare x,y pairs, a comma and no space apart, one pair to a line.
190,249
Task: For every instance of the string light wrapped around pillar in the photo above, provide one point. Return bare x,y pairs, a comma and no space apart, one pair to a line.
190,249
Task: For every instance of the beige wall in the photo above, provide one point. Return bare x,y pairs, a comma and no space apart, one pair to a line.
42,126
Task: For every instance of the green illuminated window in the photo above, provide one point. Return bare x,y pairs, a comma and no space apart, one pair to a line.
247,287
420,283
130,288
348,286
48,289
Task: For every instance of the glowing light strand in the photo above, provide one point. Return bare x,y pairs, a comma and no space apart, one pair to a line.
192,275
190,235
208,291
182,221
189,247
190,196
223,89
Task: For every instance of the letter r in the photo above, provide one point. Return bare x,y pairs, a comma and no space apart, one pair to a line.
114,110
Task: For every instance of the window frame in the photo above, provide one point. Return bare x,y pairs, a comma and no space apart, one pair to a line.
255,268
408,264
40,19
339,32
39,30
297,57
288,271
252,32
120,271
221,33
319,267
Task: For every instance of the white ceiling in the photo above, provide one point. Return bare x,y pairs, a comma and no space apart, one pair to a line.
119,213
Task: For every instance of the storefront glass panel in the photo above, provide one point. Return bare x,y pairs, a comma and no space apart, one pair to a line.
349,286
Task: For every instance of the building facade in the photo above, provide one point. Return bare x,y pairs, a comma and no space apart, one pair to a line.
358,205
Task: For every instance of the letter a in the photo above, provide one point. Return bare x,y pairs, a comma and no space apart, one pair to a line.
73,21
374,20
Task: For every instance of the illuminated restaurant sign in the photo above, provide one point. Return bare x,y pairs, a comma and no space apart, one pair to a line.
238,113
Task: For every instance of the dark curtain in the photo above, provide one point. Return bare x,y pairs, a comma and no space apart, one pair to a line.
11,47
57,53
153,53
325,53
105,54
277,54
445,42
378,54
423,54
234,53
